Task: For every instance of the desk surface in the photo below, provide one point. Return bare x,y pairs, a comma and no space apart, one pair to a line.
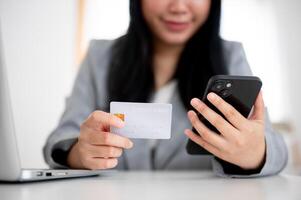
157,185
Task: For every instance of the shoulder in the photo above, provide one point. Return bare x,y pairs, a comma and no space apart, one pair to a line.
99,52
97,59
235,58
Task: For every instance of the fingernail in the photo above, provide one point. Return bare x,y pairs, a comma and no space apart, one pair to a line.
191,113
119,119
130,145
194,101
120,123
211,96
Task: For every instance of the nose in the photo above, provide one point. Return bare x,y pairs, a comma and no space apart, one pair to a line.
178,6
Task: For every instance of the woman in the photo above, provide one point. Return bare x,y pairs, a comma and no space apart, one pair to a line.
171,49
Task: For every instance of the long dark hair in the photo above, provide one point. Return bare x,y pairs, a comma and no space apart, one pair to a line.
131,76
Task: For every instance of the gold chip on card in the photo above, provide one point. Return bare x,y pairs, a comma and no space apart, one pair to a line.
120,116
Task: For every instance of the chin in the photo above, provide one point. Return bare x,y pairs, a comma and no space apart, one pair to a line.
175,39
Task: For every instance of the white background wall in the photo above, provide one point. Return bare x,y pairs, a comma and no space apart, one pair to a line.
105,19
288,19
39,39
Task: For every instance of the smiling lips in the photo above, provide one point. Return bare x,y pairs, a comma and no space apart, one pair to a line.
175,26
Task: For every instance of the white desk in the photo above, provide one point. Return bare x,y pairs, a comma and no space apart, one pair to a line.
157,185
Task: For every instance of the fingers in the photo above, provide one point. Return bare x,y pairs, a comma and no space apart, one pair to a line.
224,127
206,134
105,138
96,147
86,156
231,114
100,163
103,151
258,109
99,119
200,141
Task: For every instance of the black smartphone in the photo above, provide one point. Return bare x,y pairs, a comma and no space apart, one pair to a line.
239,91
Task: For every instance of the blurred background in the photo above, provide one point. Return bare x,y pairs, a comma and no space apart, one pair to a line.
45,41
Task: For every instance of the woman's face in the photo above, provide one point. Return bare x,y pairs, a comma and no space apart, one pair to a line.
174,22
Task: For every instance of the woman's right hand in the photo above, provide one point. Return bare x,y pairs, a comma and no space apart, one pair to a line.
96,147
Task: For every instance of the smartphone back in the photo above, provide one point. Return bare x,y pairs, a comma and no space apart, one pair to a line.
239,91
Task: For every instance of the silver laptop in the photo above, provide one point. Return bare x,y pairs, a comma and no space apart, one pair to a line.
10,167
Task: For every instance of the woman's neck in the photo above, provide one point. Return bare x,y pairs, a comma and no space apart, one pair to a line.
165,62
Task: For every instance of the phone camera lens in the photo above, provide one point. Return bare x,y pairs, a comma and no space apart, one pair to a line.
225,93
218,86
228,85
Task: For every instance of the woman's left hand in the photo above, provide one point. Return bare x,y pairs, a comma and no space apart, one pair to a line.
241,141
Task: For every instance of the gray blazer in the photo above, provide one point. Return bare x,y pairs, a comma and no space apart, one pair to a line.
89,94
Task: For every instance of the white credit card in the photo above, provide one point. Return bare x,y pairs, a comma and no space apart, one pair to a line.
143,120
